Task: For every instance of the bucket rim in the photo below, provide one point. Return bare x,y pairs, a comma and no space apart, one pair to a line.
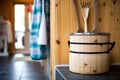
89,34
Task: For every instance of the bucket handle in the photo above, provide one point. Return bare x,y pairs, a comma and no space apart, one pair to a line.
68,43
111,43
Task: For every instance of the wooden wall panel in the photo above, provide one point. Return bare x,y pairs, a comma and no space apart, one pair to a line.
23,1
65,29
63,23
116,54
55,30
106,20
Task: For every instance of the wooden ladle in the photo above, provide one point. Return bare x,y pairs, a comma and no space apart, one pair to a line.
76,10
85,11
95,27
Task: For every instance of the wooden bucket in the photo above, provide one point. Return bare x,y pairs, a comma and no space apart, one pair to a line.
89,53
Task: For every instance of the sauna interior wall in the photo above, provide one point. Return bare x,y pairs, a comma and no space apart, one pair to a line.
63,23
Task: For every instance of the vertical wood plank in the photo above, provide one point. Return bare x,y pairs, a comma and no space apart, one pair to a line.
91,16
58,30
101,13
63,22
55,12
65,29
116,55
109,18
23,1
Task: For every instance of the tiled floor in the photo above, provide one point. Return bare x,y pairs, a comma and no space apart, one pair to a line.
20,70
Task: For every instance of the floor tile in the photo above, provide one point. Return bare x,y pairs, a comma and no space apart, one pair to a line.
20,70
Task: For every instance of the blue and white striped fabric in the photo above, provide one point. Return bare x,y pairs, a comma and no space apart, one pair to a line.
39,51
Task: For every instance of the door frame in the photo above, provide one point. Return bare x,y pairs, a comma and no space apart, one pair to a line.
26,39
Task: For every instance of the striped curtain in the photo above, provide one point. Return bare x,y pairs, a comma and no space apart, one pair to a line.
39,51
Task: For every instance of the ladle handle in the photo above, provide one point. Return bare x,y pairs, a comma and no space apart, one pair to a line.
95,27
76,10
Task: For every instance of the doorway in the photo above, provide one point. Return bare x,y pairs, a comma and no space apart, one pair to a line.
22,19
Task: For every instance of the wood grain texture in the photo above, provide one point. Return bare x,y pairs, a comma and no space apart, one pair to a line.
65,29
55,21
116,55
63,23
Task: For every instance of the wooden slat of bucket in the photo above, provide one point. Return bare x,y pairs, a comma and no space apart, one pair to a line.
87,70
100,63
99,70
99,60
93,59
74,62
81,70
81,63
86,63
105,48
99,47
87,39
106,60
105,63
77,48
93,39
76,38
86,48
105,39
81,60
93,48
99,39
93,70
86,60
72,59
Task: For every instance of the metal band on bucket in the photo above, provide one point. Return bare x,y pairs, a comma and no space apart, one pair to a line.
107,43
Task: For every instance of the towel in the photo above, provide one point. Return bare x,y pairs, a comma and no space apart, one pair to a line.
39,51
9,32
7,25
42,39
